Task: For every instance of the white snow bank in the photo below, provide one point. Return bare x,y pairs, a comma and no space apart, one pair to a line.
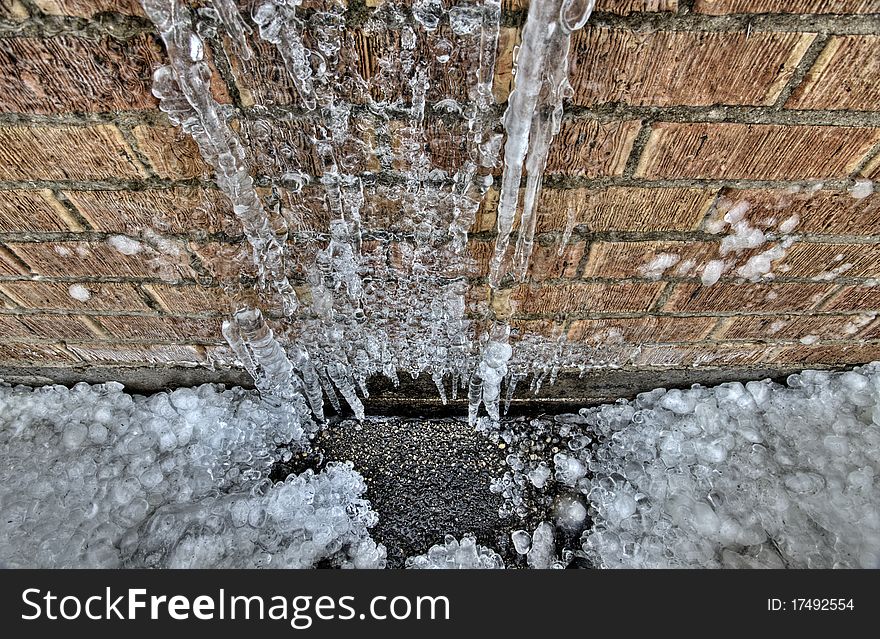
94,477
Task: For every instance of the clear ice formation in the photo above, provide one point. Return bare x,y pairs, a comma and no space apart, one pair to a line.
454,555
754,475
533,117
369,303
95,477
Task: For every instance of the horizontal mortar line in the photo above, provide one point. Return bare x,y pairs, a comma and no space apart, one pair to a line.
121,27
723,114
104,279
691,314
122,341
80,119
98,314
556,282
847,24
105,184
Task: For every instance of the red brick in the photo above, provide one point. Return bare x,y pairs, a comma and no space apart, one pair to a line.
845,76
620,7
793,327
89,8
721,7
64,74
44,326
587,298
226,261
588,148
138,354
822,212
692,356
636,330
138,327
667,68
10,264
754,151
172,153
175,210
34,211
66,153
872,169
724,296
624,208
806,356
190,299
546,262
38,353
90,259
13,11
855,298
634,259
828,261
54,295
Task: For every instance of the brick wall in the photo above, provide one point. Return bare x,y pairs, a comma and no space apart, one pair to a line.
682,110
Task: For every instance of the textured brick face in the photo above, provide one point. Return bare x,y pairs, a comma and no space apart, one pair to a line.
844,76
719,7
648,259
66,153
49,327
624,208
641,329
54,295
665,68
855,298
592,149
172,154
822,260
89,8
174,210
587,298
754,151
64,73
33,211
724,297
795,327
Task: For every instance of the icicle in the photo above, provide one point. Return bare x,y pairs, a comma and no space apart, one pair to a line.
235,26
475,396
512,381
327,385
279,25
566,233
438,382
341,379
303,363
542,59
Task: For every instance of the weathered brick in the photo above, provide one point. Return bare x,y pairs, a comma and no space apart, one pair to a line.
721,7
827,261
172,153
13,11
855,298
624,208
549,261
89,8
843,77
544,327
590,148
692,356
502,83
729,296
667,68
190,299
10,264
138,327
753,151
587,298
54,295
806,356
620,7
90,259
35,352
279,147
792,327
823,212
139,354
175,210
636,259
66,153
636,330
34,211
226,261
44,326
64,73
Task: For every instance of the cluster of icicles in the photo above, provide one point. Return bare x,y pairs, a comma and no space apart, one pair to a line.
351,310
